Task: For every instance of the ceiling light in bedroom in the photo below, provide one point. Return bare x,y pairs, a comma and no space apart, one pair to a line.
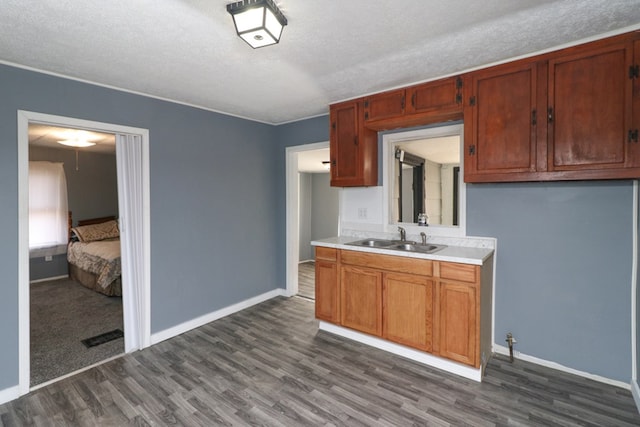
78,143
258,22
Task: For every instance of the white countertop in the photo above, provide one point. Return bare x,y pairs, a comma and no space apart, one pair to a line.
461,254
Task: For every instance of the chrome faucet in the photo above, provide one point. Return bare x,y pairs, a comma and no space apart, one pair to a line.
403,234
424,238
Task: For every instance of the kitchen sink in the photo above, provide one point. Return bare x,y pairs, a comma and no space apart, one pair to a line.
398,245
412,247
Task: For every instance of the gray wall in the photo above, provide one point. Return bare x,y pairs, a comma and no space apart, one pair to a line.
201,201
92,191
305,194
563,274
324,207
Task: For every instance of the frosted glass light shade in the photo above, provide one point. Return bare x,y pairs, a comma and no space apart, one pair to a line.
258,22
79,143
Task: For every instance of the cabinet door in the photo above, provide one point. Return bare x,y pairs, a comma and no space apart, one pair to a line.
407,311
437,95
361,299
503,109
634,136
589,113
384,105
353,149
327,304
459,322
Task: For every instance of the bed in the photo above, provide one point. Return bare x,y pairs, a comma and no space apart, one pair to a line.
94,255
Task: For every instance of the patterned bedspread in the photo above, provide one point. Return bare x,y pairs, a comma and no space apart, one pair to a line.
100,258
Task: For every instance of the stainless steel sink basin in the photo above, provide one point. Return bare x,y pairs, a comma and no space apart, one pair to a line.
409,247
398,245
373,243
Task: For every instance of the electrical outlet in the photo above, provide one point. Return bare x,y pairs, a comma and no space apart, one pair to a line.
362,213
48,258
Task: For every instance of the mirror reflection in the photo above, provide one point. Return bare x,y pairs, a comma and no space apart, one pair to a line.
426,180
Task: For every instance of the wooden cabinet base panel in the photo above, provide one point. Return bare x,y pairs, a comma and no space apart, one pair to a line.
465,371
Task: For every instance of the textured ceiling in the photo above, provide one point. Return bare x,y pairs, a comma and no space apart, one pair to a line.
187,50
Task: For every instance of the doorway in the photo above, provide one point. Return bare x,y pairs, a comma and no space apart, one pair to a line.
132,158
312,213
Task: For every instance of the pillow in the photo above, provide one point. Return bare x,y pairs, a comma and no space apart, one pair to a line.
95,232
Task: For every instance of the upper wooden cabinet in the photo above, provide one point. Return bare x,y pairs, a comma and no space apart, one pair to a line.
567,115
414,105
501,121
353,149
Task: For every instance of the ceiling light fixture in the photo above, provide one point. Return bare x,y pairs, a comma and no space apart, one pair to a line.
258,22
78,143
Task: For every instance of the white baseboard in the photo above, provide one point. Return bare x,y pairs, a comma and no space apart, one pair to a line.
218,314
46,279
635,391
8,394
400,350
500,349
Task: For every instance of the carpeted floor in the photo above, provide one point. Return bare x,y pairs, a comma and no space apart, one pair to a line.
63,313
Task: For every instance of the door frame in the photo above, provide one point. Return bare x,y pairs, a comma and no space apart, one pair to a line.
293,214
138,300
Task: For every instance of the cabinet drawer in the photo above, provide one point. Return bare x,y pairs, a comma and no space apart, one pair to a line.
328,254
460,272
423,267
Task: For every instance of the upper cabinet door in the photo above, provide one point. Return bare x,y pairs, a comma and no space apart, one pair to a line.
384,105
436,95
353,149
589,113
501,123
634,132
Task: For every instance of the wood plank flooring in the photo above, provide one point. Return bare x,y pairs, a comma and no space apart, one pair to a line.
307,280
269,365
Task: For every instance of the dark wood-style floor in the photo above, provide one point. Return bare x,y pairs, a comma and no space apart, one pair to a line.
269,365
307,280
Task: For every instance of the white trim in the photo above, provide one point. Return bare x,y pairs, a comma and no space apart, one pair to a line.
24,117
218,314
292,220
500,349
9,394
47,279
400,350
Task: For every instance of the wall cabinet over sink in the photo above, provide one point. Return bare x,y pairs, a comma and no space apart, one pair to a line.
442,308
572,114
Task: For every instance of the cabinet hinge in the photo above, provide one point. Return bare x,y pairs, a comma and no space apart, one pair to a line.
355,140
550,115
459,83
472,101
402,103
634,71
366,115
633,135
472,150
534,117
413,100
458,98
366,104
333,125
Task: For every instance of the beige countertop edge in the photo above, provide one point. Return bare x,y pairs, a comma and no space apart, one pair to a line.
461,254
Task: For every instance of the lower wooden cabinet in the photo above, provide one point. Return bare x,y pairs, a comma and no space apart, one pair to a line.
459,322
407,310
433,306
327,292
361,299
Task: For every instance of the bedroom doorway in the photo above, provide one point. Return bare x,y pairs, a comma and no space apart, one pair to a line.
75,297
132,159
